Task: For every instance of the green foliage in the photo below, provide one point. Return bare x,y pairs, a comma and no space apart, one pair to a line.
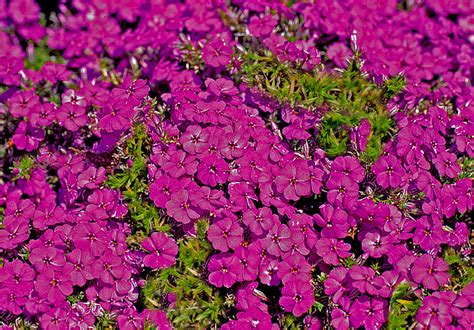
461,269
24,167
348,262
75,298
106,322
291,322
394,85
467,167
404,305
42,54
319,306
350,97
131,181
198,304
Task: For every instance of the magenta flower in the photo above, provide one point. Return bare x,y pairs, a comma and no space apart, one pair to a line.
364,279
55,318
360,135
274,149
340,314
464,195
180,163
91,178
162,249
389,172
217,53
81,316
194,140
315,178
47,258
54,286
297,297
22,103
12,301
109,268
249,263
259,221
102,203
386,283
129,319
221,86
54,72
233,144
262,27
368,312
72,116
90,237
293,181
434,313
18,211
294,268
17,276
27,137
337,284
268,270
343,191
278,240
212,170
428,233
242,195
14,234
333,221
446,164
339,53
131,91
81,261
330,249
225,234
429,271
42,115
115,117
348,166
223,269
376,245
181,208
163,188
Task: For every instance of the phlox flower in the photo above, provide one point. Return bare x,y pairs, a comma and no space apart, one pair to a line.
368,312
27,137
297,297
429,271
434,313
54,286
330,249
213,170
72,116
162,249
225,234
181,207
223,269
293,181
217,53
389,172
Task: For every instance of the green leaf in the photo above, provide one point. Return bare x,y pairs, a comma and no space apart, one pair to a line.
394,85
404,305
319,306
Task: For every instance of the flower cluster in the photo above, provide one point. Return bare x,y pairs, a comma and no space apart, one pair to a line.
298,237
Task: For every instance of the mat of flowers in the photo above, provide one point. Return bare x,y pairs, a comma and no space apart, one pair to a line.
236,164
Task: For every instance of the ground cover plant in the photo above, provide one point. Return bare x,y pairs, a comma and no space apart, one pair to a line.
236,164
